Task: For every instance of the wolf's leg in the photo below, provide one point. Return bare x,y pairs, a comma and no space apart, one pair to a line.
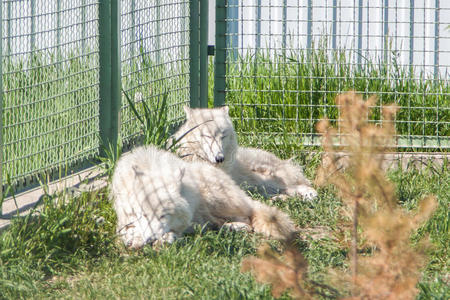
166,239
130,236
306,192
238,226
273,175
137,232
295,182
246,214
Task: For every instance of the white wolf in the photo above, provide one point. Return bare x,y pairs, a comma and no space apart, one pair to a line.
157,196
208,135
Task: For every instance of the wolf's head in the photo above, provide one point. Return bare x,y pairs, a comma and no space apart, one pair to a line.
211,135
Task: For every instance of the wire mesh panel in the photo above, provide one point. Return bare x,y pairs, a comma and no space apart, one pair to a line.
60,84
155,58
286,60
50,87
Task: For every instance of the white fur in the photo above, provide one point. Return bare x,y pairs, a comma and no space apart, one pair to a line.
211,135
157,196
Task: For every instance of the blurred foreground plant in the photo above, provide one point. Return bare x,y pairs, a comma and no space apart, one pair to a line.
393,269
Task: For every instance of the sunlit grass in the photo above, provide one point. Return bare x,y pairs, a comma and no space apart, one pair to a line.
69,250
51,110
275,92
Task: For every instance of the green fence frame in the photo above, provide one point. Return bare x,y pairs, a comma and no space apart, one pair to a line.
199,53
1,108
220,55
194,63
109,72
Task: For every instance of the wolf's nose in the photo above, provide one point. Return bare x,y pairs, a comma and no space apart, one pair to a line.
220,158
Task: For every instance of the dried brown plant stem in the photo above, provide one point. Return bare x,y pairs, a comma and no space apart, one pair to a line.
355,241
393,268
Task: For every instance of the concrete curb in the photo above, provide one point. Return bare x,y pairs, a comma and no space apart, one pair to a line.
88,180
403,160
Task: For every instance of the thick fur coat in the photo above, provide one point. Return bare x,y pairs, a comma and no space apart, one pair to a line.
208,135
157,197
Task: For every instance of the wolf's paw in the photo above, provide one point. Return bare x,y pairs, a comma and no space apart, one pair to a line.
130,237
166,239
264,170
237,226
134,243
306,192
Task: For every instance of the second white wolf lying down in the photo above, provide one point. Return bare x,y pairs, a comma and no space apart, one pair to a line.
157,196
208,135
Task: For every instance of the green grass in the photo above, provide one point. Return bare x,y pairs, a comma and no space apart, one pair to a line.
64,251
51,109
50,104
146,83
49,113
288,92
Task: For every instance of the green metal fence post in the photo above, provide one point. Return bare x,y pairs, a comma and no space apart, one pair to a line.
58,29
220,57
158,32
132,37
204,53
437,24
8,47
1,108
109,73
116,78
182,29
83,26
284,28
309,28
194,52
33,25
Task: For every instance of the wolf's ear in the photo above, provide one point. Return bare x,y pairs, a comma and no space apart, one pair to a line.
187,111
226,109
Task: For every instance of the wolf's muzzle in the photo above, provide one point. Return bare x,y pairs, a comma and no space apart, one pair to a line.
220,158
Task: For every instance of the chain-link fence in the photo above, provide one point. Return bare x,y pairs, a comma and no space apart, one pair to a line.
280,63
67,67
155,57
64,64
50,87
